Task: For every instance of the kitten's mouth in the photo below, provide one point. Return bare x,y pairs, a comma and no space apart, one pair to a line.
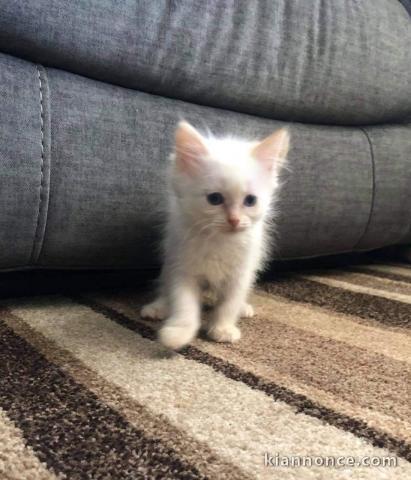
233,230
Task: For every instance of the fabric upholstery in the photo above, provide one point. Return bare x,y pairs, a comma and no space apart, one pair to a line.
390,215
20,160
106,149
341,62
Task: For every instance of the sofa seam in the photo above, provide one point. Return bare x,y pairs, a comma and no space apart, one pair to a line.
372,203
42,176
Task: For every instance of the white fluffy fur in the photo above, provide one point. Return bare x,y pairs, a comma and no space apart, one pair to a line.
202,249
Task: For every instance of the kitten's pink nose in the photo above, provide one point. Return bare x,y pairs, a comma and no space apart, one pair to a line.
233,221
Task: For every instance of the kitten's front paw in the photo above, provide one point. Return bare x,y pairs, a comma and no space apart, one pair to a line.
156,310
226,333
247,311
175,336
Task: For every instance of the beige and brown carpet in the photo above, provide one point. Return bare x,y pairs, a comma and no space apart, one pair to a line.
322,372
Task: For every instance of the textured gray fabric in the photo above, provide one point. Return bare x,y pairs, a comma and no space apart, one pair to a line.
20,160
326,199
407,5
337,62
108,158
390,216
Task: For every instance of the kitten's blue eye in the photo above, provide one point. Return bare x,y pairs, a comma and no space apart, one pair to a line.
215,198
250,200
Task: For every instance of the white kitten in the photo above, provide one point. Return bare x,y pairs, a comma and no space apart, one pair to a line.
221,201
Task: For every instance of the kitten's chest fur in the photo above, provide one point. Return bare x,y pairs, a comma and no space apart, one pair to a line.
217,260
214,262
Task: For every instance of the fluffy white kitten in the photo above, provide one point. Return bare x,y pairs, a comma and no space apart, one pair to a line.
221,200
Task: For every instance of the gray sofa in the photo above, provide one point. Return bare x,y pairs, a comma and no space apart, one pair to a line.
90,93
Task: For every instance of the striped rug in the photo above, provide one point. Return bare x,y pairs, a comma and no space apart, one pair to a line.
322,373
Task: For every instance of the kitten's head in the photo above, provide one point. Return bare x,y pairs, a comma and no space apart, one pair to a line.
225,185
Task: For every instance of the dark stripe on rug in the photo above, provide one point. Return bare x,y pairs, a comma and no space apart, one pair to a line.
379,274
301,403
154,426
370,307
69,428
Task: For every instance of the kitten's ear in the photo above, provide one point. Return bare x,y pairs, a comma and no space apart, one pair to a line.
272,151
190,148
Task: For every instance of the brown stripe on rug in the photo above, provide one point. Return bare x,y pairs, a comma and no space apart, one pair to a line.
155,428
16,457
257,355
401,269
69,428
369,307
300,402
355,285
369,336
370,382
383,286
384,271
238,422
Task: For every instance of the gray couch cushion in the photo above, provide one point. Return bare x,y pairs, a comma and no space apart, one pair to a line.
390,215
338,62
108,156
20,160
407,5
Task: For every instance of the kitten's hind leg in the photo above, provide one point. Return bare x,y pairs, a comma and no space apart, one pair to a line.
247,311
157,310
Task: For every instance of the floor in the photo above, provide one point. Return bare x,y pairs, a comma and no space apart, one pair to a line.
322,373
